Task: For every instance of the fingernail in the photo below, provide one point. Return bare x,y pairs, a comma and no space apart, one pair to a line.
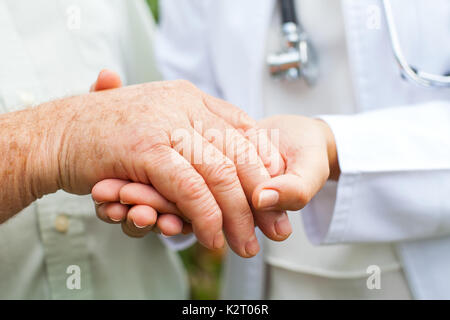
252,247
122,202
268,198
283,226
138,226
115,220
219,240
98,203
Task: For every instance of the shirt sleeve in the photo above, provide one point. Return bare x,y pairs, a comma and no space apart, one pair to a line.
395,177
182,43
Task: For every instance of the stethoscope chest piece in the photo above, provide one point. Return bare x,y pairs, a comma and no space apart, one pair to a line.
298,58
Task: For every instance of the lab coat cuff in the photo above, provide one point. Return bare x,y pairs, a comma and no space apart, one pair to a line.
326,216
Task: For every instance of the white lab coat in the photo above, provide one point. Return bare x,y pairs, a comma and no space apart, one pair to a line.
394,155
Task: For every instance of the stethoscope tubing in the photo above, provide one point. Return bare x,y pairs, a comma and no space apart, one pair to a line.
289,15
419,77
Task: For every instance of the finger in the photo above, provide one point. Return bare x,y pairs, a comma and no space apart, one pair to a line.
238,119
142,216
267,144
220,175
235,116
138,193
107,190
306,173
106,80
112,213
250,169
273,223
169,224
175,178
145,215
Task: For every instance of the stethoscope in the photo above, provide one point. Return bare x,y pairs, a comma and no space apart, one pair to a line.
299,60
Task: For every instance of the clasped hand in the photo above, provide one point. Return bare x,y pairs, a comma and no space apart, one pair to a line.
287,160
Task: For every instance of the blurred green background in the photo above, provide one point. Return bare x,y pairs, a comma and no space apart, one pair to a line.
153,4
203,266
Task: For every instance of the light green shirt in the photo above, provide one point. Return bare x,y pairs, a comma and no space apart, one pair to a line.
55,48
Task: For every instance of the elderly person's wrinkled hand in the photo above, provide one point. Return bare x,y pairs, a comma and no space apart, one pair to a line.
149,134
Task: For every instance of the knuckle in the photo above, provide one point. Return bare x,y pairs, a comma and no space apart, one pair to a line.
234,146
207,217
243,120
222,175
210,216
190,185
143,138
243,145
243,152
241,221
193,189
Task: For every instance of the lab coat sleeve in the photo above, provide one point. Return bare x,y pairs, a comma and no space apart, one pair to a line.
395,180
182,48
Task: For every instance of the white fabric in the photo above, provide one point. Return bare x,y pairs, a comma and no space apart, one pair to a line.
333,93
378,87
411,155
234,35
286,284
45,54
114,30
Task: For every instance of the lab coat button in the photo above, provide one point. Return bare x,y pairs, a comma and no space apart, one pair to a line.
62,223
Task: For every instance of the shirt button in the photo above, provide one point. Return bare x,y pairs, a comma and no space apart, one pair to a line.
62,223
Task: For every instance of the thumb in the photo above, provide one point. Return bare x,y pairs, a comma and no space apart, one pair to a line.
306,173
106,80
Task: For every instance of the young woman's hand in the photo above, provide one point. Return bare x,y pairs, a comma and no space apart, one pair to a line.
309,151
